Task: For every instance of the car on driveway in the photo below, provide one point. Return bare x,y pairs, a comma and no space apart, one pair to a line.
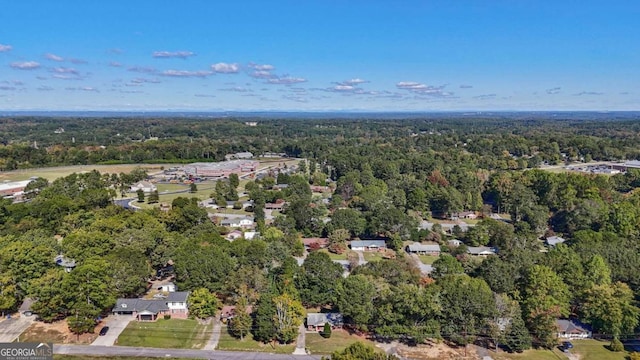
566,346
104,330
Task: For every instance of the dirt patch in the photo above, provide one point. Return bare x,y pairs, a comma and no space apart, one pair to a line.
57,332
435,351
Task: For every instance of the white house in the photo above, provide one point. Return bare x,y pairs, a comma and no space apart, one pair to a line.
454,242
145,186
417,248
554,240
167,287
572,329
250,235
174,304
368,245
481,250
238,222
234,235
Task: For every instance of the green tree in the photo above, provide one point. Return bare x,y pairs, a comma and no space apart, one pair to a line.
193,188
610,310
326,331
154,197
203,303
50,304
289,315
319,279
446,265
467,306
234,181
241,323
517,337
338,240
358,351
354,299
263,325
140,194
545,298
8,293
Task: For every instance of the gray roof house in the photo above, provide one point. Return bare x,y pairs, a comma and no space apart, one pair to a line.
316,321
417,248
481,250
572,329
174,304
363,245
554,240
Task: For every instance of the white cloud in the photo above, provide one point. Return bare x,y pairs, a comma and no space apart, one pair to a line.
204,95
172,54
45,88
352,82
588,93
83,88
78,61
7,88
5,48
53,57
553,91
143,69
286,80
65,70
422,89
237,89
26,65
145,81
463,86
485,96
261,74
262,67
186,73
225,68
115,64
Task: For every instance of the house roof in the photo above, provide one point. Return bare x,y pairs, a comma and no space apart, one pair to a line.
417,247
178,296
571,326
368,243
141,305
480,250
554,240
319,241
319,319
454,242
145,184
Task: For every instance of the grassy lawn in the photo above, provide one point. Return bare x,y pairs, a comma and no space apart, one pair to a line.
228,342
204,190
590,349
554,354
428,259
53,173
173,333
373,256
339,340
333,256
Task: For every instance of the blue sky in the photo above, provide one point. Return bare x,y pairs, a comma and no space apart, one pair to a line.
324,55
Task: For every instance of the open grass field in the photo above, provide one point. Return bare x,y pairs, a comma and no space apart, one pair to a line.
339,340
554,354
591,349
428,259
373,256
333,256
228,342
53,173
170,334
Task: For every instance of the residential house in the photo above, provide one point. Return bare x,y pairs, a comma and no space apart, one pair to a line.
174,304
554,240
481,251
229,312
316,321
167,286
417,248
471,215
145,186
368,245
250,235
319,189
572,329
454,242
278,205
280,186
240,221
66,263
234,235
315,243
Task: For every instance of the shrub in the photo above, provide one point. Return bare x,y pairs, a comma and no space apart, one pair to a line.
634,356
326,332
167,316
616,345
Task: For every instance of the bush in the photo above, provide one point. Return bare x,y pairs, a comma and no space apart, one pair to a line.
326,332
167,316
634,356
237,205
616,345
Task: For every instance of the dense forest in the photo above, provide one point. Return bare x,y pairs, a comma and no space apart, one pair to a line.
387,176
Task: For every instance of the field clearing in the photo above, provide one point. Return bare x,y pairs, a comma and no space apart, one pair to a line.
56,332
229,343
168,334
53,173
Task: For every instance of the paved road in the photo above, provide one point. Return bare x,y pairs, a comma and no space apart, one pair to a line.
172,353
300,342
10,329
212,344
116,324
424,269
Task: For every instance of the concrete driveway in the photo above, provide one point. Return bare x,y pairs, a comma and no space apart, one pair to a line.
116,324
10,329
